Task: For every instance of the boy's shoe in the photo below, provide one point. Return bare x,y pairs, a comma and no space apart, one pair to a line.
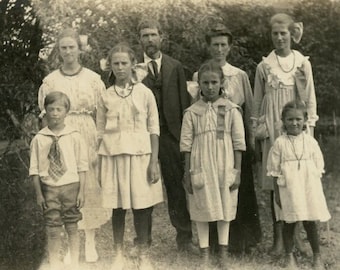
67,257
91,254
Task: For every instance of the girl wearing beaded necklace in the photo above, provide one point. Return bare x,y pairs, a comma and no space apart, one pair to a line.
295,162
284,75
128,131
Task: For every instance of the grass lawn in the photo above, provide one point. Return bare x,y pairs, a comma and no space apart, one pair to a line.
28,253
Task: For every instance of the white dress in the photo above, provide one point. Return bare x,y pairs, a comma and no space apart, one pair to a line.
125,120
298,163
273,89
212,141
83,90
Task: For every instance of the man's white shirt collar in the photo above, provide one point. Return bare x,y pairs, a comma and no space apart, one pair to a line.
147,60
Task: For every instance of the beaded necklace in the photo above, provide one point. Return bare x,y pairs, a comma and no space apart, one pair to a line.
130,88
285,71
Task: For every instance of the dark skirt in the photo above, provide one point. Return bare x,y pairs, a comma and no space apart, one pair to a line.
245,230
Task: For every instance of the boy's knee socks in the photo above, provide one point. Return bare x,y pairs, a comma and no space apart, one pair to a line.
73,240
54,245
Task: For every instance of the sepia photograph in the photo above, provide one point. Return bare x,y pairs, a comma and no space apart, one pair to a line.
169,134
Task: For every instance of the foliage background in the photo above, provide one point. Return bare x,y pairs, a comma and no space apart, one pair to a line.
27,26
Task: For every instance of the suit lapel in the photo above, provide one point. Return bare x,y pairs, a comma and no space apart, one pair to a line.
166,69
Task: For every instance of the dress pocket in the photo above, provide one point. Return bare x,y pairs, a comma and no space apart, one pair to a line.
261,131
227,177
197,179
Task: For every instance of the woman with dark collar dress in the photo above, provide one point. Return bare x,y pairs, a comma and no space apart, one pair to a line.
245,230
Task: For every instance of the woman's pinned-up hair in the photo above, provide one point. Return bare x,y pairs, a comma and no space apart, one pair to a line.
295,28
71,33
218,30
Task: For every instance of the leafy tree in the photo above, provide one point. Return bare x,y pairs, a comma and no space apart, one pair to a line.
19,71
322,42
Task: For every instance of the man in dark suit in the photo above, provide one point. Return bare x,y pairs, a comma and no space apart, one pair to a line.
167,81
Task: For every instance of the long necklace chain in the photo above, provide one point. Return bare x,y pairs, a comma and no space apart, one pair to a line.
294,151
130,88
285,71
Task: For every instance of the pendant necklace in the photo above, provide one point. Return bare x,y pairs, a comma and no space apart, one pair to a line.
295,154
286,71
130,88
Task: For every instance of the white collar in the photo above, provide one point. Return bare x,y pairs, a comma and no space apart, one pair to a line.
147,60
272,61
47,132
229,70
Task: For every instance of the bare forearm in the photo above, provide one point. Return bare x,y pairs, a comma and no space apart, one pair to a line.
82,181
276,187
237,159
154,147
37,185
187,157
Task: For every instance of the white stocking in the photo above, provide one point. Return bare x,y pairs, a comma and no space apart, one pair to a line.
203,233
223,232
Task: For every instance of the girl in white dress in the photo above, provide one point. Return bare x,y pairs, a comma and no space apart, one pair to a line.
296,163
128,131
212,139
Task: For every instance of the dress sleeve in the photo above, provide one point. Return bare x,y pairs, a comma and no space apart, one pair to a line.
101,117
187,133
153,118
237,131
34,157
100,88
81,153
318,157
311,97
42,93
248,102
259,90
274,160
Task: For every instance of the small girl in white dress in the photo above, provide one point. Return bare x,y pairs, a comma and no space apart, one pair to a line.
296,163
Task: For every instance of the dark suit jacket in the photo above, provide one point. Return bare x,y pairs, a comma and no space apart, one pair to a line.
175,98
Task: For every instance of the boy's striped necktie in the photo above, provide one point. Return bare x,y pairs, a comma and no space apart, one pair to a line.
57,167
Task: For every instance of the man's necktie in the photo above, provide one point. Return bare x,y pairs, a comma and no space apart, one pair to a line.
57,166
155,68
